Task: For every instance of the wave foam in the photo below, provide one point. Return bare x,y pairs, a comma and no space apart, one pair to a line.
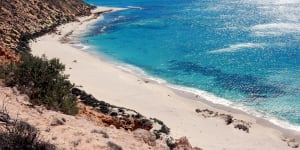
273,2
138,72
206,95
81,46
135,7
103,29
237,47
101,8
275,29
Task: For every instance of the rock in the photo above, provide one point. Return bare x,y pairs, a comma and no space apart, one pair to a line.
4,117
104,134
146,136
24,99
114,146
63,119
228,119
118,116
283,138
143,124
293,144
182,144
113,114
104,109
242,126
57,121
179,144
76,91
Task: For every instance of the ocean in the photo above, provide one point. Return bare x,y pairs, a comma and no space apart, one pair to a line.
241,53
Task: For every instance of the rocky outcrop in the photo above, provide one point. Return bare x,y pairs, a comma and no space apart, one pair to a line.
184,144
127,123
24,20
180,144
146,130
109,114
145,136
229,119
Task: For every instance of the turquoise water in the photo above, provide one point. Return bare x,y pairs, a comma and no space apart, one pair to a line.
247,52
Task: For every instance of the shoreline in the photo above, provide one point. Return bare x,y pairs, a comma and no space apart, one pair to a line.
110,83
197,95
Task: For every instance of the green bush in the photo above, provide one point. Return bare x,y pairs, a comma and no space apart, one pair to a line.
43,81
22,136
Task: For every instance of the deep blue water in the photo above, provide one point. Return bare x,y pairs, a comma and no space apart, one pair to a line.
245,51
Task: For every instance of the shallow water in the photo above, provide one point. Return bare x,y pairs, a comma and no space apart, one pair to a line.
247,52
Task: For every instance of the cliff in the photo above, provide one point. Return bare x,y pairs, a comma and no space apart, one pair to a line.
23,20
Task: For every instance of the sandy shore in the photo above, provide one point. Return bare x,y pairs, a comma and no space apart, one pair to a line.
107,82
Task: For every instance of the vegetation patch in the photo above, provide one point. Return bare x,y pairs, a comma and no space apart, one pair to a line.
43,81
20,135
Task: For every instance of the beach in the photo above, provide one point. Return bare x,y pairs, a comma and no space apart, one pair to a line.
177,109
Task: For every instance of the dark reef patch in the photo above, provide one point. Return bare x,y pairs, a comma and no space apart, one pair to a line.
253,86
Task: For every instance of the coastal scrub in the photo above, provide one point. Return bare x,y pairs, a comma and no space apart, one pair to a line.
43,81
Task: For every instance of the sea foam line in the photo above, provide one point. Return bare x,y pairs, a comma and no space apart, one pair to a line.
238,47
275,29
138,72
135,7
113,9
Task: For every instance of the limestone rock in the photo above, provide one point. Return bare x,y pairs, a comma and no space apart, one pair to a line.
57,121
112,115
293,144
146,136
184,144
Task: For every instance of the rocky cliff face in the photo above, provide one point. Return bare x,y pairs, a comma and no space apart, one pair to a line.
23,20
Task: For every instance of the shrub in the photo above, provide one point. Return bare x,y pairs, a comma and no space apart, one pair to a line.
20,135
43,81
23,137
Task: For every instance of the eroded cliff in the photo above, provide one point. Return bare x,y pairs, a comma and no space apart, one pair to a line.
23,20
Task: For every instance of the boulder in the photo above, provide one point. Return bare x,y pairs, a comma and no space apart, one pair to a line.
57,121
145,136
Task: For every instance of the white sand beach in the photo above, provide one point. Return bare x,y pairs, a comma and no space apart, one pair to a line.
107,82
